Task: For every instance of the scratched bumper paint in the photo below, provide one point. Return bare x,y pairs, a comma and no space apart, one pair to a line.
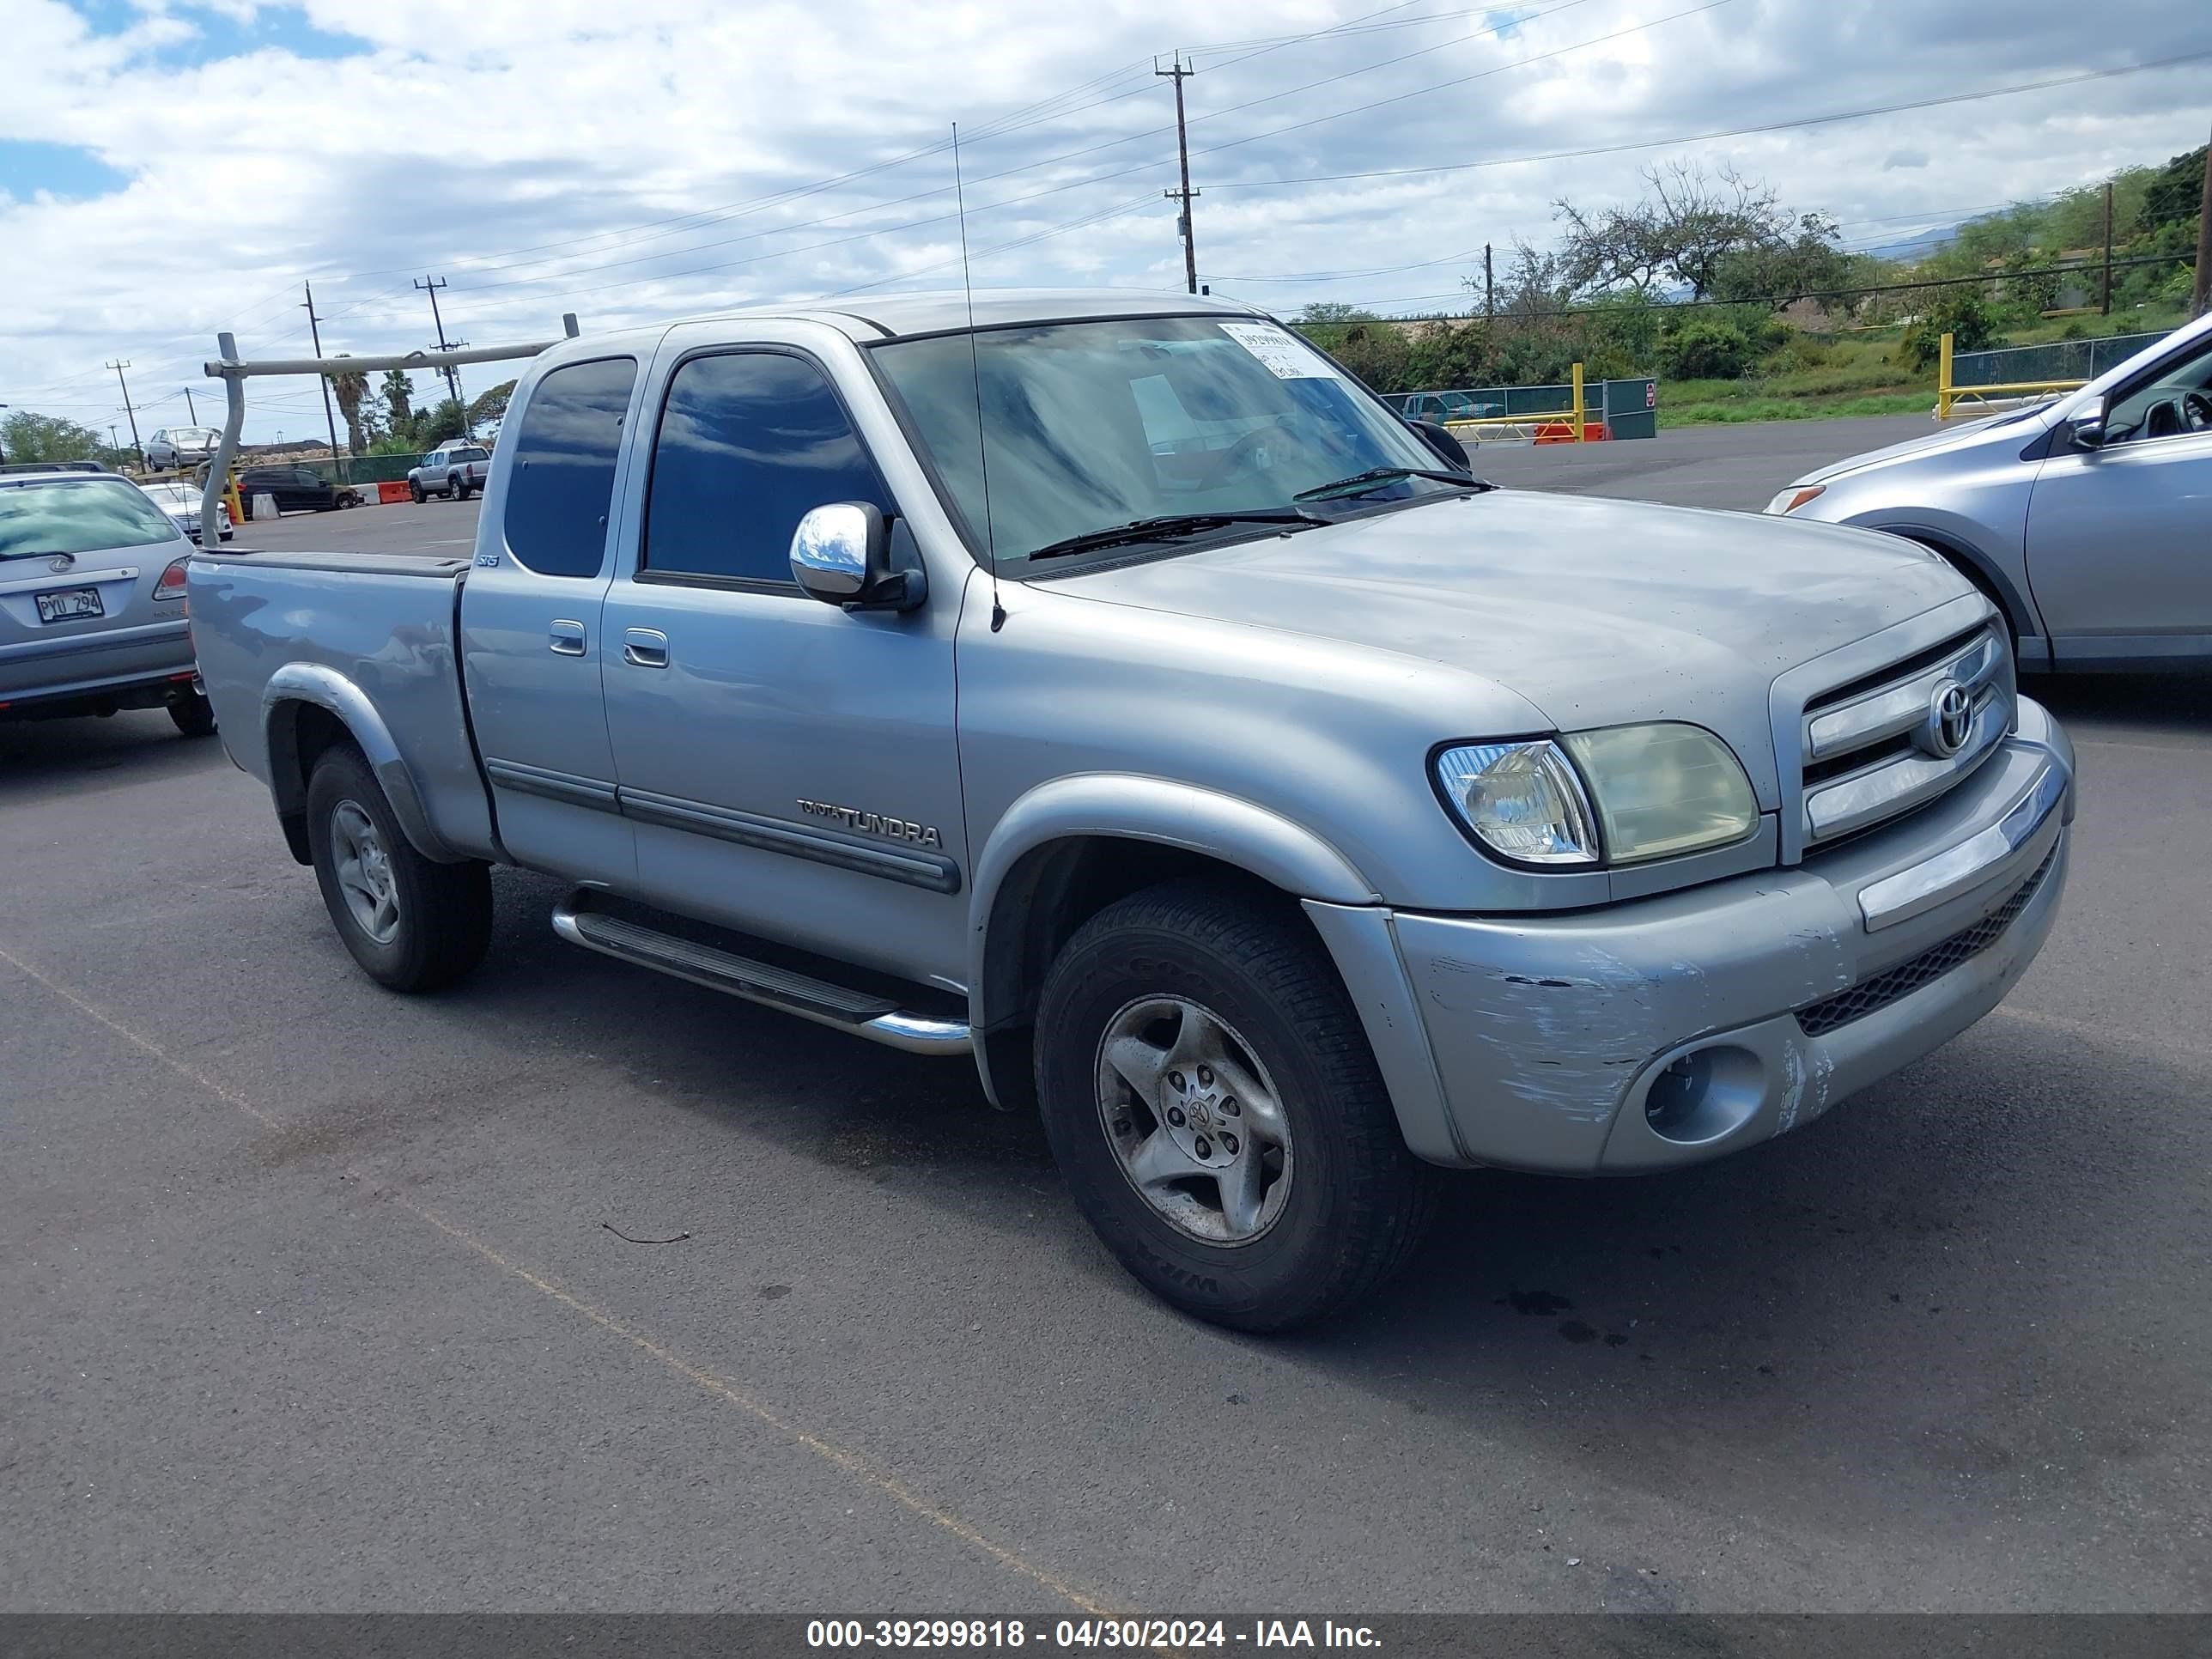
1548,1033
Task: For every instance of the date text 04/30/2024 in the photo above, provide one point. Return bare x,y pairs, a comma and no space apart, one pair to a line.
1139,1633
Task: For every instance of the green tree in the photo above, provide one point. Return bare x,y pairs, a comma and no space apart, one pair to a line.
487,407
350,389
1707,350
399,393
441,421
1959,312
25,436
1688,222
2175,193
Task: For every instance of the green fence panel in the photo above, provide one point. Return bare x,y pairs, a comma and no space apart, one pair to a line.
2061,360
1629,409
367,469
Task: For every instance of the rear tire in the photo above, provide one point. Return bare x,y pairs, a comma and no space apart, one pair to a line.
1210,994
193,714
412,923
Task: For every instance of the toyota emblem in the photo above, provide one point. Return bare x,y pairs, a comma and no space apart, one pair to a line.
1950,720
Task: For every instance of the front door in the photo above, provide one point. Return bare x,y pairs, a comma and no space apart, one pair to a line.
533,649
790,769
2119,538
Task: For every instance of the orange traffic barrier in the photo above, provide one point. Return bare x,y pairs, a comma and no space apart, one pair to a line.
388,492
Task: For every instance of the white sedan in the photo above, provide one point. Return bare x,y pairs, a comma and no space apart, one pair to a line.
182,503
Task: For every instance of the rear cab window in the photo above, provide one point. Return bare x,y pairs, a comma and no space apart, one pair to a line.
561,477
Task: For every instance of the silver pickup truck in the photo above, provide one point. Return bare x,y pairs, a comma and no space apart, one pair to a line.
1112,690
454,469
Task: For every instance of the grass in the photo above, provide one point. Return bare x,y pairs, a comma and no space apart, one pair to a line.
1736,411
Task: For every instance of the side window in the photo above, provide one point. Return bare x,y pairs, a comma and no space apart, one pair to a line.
2161,406
749,441
562,483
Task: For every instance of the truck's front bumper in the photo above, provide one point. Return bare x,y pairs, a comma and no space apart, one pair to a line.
1675,1028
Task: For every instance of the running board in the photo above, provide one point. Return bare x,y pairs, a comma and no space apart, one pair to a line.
860,1012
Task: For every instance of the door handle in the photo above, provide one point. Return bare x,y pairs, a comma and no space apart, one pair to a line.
645,648
567,638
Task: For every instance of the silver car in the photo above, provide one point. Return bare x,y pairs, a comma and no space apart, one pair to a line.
181,445
92,602
2087,519
182,503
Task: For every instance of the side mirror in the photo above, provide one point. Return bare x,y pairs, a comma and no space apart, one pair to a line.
842,555
2089,433
1448,449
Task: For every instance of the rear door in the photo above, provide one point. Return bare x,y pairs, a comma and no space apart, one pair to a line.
533,649
791,768
80,559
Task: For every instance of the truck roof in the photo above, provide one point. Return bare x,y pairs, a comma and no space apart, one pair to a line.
868,319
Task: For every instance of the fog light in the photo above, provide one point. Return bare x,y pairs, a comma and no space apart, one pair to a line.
1706,1095
1675,1092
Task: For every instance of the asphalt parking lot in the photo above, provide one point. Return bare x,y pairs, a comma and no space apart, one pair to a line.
316,1297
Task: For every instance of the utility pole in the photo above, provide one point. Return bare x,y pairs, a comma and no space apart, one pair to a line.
2105,305
190,414
430,285
468,427
330,421
1186,195
2203,292
1489,287
118,366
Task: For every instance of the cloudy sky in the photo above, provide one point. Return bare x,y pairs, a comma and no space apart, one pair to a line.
168,168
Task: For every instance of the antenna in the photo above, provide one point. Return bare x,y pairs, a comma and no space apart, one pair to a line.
975,372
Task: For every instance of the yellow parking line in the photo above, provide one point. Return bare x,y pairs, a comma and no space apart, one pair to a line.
862,1468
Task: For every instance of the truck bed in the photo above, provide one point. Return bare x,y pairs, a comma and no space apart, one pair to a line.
374,637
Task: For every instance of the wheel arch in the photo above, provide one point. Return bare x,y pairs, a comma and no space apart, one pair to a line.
307,707
1068,848
1986,573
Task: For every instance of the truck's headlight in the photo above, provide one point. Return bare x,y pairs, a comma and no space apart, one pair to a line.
1629,793
1522,799
1663,789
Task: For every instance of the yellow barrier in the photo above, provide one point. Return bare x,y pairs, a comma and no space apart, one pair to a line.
1575,417
1948,397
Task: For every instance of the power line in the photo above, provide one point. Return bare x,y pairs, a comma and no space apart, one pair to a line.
1703,137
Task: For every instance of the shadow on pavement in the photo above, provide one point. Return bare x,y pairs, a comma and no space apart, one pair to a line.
41,757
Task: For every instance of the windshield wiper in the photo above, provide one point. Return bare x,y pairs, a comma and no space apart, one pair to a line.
1359,482
1167,526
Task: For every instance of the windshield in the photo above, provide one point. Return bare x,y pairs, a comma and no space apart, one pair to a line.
170,495
1097,424
78,518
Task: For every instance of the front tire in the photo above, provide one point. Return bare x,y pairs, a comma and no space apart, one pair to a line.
415,490
412,923
1213,1104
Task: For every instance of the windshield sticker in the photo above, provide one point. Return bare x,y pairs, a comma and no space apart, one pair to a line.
1286,356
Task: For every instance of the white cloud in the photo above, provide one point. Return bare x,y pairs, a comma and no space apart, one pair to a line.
657,157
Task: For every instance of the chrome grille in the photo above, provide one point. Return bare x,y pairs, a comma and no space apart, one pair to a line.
1866,759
